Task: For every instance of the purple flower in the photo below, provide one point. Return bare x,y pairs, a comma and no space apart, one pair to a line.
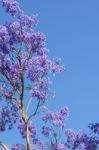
82,146
3,32
28,21
64,112
94,127
31,127
71,136
59,147
57,118
46,131
11,6
18,147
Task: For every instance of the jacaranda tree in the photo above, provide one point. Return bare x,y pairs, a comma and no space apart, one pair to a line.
25,78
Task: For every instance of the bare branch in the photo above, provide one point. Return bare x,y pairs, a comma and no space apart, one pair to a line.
28,105
4,146
35,112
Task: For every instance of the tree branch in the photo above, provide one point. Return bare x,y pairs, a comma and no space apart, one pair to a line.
34,113
4,146
28,105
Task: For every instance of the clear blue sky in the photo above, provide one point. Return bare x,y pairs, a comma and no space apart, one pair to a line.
72,31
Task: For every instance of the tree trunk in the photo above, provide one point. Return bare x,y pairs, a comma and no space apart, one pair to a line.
27,137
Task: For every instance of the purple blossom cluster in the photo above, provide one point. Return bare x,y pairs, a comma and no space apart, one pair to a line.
33,62
11,6
22,129
54,125
59,147
46,131
80,140
18,147
94,127
37,144
57,118
8,116
5,92
74,140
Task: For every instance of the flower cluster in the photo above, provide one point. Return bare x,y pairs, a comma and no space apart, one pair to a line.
22,129
58,147
8,116
94,127
46,131
54,125
37,144
11,6
57,118
32,61
18,147
81,140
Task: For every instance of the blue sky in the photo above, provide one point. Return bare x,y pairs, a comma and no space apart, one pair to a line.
72,31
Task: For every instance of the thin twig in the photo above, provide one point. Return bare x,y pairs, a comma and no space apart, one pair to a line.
28,105
34,113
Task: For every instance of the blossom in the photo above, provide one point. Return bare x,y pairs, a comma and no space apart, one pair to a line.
46,131
64,112
28,21
22,129
8,116
57,118
11,6
59,147
94,127
71,136
18,147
